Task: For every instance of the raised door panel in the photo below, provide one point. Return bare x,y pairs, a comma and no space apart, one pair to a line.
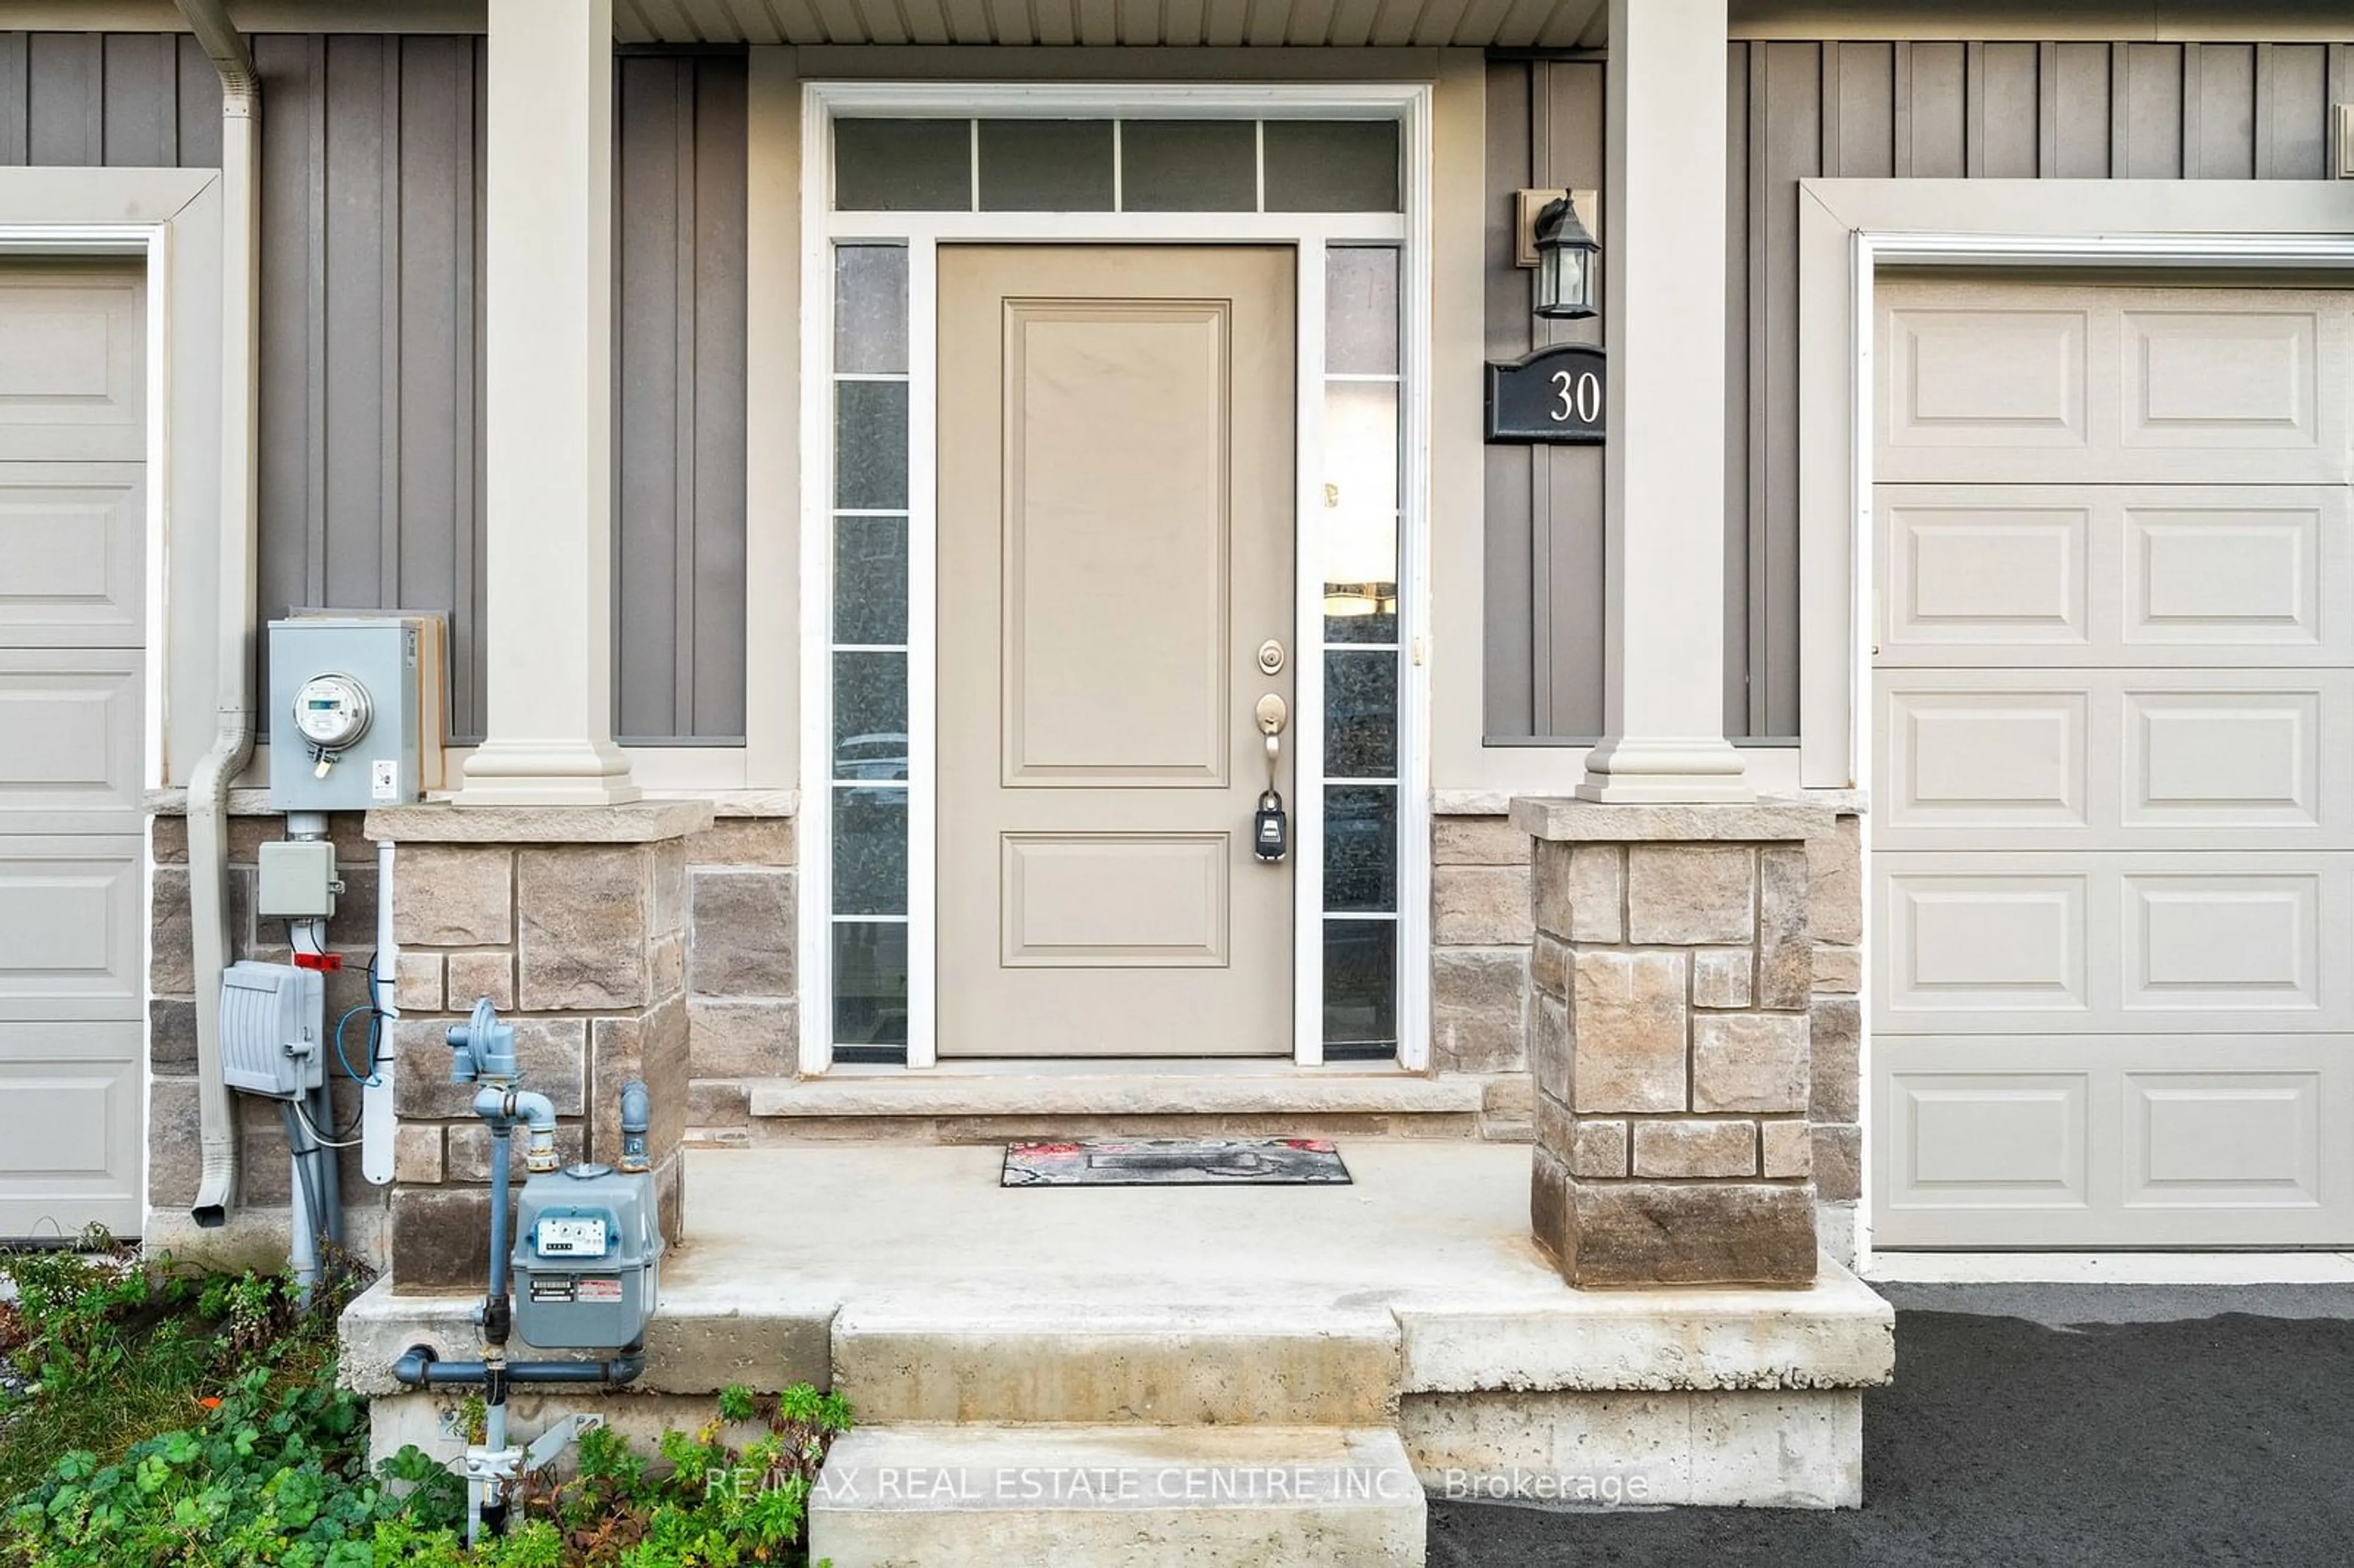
71,351
70,1121
73,537
69,741
72,940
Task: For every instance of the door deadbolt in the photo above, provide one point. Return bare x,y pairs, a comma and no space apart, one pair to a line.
1270,657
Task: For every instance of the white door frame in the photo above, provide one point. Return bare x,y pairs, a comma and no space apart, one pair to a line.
169,221
1848,230
821,227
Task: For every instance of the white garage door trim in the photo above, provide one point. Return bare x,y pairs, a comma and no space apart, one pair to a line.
170,222
1850,228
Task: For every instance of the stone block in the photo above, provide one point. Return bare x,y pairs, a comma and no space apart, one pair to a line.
175,1154
1552,1219
172,1034
353,924
167,840
1838,1162
1479,1008
666,965
1690,1233
747,840
652,1047
740,942
1628,1031
1838,969
1598,1148
1549,965
469,1156
474,976
1579,890
1480,906
440,1237
550,1052
1721,977
418,981
1786,958
453,895
1835,884
714,1102
417,1153
1836,1040
1749,1062
172,960
582,927
1786,1149
1478,841
1690,892
669,864
1550,1056
742,1039
1508,1094
1682,1148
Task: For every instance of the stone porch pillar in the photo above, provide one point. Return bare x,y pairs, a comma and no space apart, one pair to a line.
1663,485
1673,1050
547,635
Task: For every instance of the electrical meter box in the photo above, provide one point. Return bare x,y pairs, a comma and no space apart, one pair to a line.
587,1257
355,710
272,1020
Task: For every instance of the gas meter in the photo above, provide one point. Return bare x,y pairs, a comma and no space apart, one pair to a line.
587,1257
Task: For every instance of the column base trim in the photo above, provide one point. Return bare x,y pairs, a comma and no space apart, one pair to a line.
548,773
1665,770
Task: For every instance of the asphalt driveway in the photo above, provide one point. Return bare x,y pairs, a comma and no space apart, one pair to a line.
2078,1425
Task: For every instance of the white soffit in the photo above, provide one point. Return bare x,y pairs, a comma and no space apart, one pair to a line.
1503,23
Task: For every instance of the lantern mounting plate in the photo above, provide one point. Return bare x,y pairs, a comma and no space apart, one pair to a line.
1527,204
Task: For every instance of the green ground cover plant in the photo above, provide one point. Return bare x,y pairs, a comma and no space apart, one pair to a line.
171,1417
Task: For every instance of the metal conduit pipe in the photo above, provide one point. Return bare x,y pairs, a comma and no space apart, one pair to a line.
232,747
419,1367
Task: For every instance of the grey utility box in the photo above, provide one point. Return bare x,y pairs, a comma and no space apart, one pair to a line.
355,711
586,1258
272,1027
297,880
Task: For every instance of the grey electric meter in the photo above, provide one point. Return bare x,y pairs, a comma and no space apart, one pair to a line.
586,1258
355,711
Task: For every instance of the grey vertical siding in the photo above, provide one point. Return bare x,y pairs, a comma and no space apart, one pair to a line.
1544,503
1858,111
679,447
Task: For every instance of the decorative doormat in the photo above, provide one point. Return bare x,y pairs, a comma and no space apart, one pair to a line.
1175,1162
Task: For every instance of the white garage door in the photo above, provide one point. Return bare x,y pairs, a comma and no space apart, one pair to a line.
73,929
2114,786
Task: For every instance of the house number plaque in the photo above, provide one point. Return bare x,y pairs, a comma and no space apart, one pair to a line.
1554,396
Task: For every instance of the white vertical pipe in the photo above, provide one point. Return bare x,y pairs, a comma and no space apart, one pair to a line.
376,1122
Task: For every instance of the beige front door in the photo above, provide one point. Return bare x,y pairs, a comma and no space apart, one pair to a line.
1115,546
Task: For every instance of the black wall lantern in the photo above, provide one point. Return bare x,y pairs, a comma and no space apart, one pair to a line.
1556,239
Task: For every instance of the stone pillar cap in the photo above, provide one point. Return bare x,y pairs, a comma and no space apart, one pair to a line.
1562,820
639,822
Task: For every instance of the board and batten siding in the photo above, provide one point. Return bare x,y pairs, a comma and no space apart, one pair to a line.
1798,111
371,460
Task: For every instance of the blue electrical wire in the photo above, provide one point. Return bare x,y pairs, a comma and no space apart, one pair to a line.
372,1080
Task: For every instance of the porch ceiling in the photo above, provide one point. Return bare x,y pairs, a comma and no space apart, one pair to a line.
1502,24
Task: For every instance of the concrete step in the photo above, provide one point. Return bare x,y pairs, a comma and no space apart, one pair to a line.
1118,1496
950,1358
998,1102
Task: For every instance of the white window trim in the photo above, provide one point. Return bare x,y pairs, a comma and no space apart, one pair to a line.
1849,230
1410,104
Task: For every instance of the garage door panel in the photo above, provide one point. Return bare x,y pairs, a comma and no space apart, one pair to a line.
1997,575
72,343
2112,1140
2116,759
2010,383
69,1120
2113,942
70,740
74,536
72,944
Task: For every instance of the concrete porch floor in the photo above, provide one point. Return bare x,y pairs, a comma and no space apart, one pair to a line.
1412,1301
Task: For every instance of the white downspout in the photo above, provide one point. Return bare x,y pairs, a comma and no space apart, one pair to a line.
232,745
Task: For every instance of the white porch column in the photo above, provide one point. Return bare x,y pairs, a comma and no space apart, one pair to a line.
547,419
1663,319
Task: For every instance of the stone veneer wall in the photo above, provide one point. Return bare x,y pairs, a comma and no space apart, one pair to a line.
1696,1040
742,998
1480,931
573,922
256,1234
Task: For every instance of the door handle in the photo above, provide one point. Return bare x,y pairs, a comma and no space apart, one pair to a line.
1273,714
1270,829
